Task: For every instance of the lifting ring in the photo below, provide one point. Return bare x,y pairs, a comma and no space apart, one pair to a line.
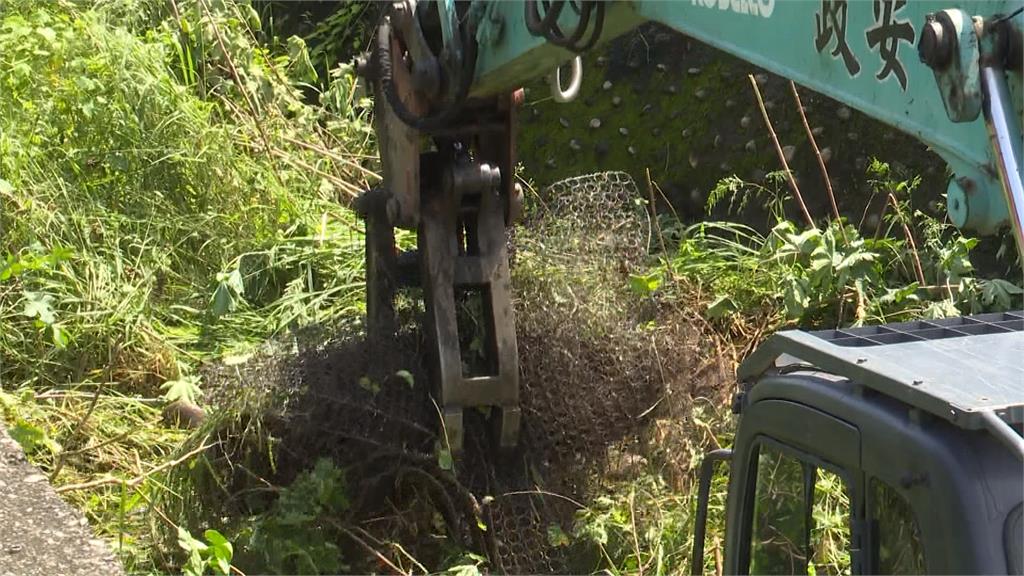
570,93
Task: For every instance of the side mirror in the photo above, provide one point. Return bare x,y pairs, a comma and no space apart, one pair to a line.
707,471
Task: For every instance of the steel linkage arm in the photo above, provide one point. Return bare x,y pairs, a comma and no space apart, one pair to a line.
448,173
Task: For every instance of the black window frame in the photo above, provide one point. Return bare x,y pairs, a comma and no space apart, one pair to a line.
805,458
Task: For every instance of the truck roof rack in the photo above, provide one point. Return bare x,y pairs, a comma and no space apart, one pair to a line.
960,369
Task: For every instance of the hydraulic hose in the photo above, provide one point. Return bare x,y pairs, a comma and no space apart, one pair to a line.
539,27
548,26
452,106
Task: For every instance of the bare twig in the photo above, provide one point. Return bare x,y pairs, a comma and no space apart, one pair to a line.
60,394
636,539
74,433
432,484
368,548
711,433
778,151
539,492
821,161
106,442
133,482
910,239
881,217
333,156
444,429
394,545
348,188
664,381
241,88
657,224
169,522
667,201
719,565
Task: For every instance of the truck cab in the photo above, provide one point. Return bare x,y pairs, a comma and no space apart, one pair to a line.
891,449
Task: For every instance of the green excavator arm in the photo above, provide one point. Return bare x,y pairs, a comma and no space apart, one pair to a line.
863,53
448,72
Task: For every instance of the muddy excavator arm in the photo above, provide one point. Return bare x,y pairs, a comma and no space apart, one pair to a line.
446,77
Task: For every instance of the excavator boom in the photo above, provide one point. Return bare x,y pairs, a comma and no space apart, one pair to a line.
447,71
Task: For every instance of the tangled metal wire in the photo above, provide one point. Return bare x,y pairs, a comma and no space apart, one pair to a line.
590,378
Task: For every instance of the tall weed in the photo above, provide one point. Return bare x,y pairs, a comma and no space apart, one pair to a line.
168,192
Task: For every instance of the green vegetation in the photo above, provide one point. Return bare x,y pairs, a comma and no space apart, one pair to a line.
174,191
168,197
834,276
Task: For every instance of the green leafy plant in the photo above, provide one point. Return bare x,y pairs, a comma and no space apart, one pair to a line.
467,564
739,193
183,389
834,275
212,555
32,437
298,534
169,193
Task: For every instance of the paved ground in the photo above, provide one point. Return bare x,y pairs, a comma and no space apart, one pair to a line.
40,534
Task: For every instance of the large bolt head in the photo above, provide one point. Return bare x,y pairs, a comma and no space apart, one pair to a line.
935,47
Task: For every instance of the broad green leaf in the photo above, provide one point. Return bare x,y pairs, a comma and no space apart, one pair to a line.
59,336
59,254
221,549
645,284
12,266
230,288
369,385
299,56
38,305
557,537
722,307
252,17
195,565
185,389
234,281
30,437
215,538
189,543
464,570
444,459
48,34
795,298
940,309
407,376
898,295
999,293
222,302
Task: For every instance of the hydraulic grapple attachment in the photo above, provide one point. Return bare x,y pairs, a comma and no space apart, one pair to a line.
455,187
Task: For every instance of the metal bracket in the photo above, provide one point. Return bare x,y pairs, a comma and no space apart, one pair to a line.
949,46
426,70
462,246
968,56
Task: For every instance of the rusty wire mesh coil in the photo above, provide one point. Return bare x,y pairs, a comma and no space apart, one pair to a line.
588,382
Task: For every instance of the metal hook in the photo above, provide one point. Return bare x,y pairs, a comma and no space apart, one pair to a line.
570,93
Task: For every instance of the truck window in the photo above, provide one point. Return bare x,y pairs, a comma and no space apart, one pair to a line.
898,536
801,517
